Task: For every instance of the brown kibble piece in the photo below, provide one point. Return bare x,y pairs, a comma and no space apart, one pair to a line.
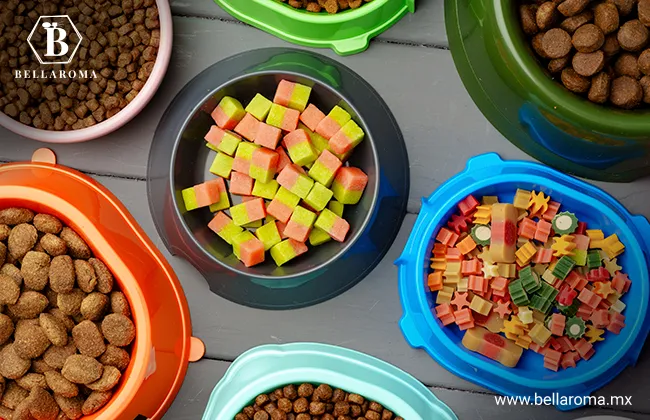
645,85
588,38
285,405
644,12
527,13
15,216
572,7
356,399
53,245
633,35
305,390
12,366
558,64
32,380
574,82
556,43
289,391
94,306
644,62
86,278
6,329
62,274
5,230
104,276
546,15
21,240
47,224
70,406
626,92
70,303
538,46
30,304
67,322
13,272
606,17
13,395
42,405
120,305
9,290
588,64
115,356
316,408
53,329
3,253
627,65
261,415
118,330
95,402
624,7
35,270
77,246
60,385
572,23
88,339
81,369
30,340
55,357
611,46
323,393
110,377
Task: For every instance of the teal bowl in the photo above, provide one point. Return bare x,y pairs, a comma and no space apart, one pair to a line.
265,368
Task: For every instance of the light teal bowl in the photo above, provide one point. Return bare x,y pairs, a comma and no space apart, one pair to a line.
265,368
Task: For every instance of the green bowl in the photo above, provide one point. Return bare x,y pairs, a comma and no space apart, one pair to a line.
533,111
347,32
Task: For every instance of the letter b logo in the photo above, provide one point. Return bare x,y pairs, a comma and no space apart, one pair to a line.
55,37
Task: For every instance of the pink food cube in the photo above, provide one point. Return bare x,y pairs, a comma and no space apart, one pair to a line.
241,184
297,231
251,252
255,209
268,136
290,120
283,160
312,116
216,134
284,92
220,221
248,127
208,193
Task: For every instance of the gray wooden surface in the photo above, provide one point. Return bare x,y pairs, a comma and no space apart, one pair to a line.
442,129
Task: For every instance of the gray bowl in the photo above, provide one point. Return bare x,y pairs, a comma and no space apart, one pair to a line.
179,159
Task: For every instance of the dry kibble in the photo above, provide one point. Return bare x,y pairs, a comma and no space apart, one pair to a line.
572,7
35,270
21,240
53,245
32,380
12,366
538,45
81,369
5,230
644,12
611,47
305,390
30,304
633,35
62,274
9,290
65,320
572,23
42,405
70,406
588,38
30,340
15,216
528,18
70,303
95,305
60,385
574,82
76,246
115,356
6,328
627,65
606,17
88,339
546,15
53,329
13,395
118,330
626,92
556,43
47,224
588,64
323,392
86,277
644,62
55,357
645,85
625,7
104,276
110,377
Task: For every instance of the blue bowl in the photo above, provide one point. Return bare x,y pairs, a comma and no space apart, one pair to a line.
489,175
265,368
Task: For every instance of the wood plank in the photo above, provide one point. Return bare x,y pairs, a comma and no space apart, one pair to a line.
364,318
204,375
425,27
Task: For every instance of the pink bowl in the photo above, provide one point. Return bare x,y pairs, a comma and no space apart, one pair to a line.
126,114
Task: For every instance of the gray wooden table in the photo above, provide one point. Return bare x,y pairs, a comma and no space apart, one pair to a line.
442,128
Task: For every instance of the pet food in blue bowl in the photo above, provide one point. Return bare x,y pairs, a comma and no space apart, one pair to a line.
520,256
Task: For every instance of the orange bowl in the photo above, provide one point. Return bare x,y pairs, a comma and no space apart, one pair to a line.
164,344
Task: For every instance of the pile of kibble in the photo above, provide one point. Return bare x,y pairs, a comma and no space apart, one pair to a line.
596,48
331,6
306,402
119,42
65,328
